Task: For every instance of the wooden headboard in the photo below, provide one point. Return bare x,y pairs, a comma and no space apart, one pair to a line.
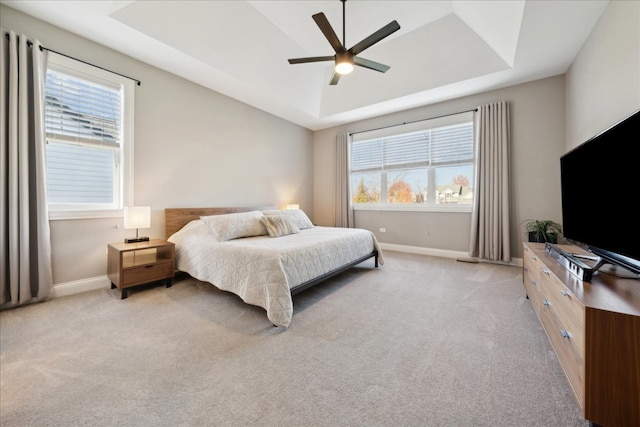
176,218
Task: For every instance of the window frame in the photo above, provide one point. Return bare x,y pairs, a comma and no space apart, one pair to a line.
124,173
453,119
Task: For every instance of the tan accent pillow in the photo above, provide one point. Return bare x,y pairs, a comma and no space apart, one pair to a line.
236,225
279,225
298,216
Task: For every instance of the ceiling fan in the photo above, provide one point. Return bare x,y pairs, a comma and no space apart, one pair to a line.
345,58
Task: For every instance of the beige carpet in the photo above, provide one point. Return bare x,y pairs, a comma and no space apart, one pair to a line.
421,341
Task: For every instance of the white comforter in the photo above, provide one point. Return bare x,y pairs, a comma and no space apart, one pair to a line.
262,270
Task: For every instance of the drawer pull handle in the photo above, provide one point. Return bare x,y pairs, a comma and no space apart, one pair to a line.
526,269
546,272
546,302
534,257
565,293
533,282
565,333
149,266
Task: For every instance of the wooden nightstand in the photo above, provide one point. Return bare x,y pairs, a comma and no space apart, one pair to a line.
132,264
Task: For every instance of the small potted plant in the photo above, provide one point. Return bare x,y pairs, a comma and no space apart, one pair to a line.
543,231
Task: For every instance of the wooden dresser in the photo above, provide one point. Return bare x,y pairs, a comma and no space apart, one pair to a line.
594,329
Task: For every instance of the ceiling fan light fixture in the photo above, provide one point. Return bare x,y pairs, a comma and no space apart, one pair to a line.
344,63
344,67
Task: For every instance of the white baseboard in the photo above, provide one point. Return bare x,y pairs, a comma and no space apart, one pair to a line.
517,262
103,282
424,251
78,286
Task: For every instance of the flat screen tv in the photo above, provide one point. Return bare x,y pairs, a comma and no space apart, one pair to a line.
600,192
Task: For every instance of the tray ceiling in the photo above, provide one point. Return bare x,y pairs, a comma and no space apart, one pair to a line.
444,49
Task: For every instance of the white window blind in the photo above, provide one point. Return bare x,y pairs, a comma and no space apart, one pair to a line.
406,150
367,155
431,147
452,144
82,111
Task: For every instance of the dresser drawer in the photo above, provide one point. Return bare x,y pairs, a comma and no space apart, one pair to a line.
147,273
531,277
571,361
530,282
533,263
567,308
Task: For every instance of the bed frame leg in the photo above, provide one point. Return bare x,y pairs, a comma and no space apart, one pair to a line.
376,261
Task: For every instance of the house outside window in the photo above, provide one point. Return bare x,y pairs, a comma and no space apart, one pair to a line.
427,165
89,133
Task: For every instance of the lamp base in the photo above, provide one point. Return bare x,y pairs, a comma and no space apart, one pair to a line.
136,239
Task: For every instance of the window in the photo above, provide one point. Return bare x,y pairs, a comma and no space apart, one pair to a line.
89,128
427,165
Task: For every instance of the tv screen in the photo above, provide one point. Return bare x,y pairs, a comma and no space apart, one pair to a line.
600,192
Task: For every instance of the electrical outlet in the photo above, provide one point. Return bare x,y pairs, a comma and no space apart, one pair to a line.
383,230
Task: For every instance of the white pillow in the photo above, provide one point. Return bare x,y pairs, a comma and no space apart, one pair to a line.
279,225
197,227
297,215
235,225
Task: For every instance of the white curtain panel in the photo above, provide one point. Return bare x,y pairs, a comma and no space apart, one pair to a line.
343,211
25,244
490,237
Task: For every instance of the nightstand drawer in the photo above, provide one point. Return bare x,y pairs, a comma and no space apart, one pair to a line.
146,273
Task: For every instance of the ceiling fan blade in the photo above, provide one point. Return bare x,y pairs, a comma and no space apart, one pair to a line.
372,65
374,38
311,59
327,30
334,79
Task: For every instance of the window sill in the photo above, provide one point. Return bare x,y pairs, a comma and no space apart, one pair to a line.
85,214
414,208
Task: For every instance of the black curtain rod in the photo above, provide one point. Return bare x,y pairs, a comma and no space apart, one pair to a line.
93,65
30,44
415,121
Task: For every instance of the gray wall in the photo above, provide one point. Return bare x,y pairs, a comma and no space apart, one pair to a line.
603,83
193,147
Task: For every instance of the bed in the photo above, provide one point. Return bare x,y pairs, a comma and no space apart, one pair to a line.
264,255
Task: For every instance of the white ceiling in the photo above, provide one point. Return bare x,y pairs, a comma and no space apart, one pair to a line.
444,49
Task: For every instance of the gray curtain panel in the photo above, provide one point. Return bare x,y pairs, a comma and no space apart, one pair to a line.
25,244
343,211
490,237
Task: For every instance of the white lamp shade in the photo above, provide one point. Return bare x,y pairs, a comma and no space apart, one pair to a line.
137,217
293,206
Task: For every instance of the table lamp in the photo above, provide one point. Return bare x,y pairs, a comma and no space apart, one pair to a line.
137,217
